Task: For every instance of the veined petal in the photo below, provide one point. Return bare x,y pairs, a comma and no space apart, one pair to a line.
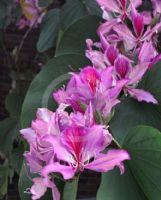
29,134
137,73
122,66
66,171
107,162
38,189
138,22
149,33
147,52
109,5
107,77
61,152
111,54
125,35
142,95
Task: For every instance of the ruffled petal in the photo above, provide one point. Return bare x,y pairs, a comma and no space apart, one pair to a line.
107,162
142,95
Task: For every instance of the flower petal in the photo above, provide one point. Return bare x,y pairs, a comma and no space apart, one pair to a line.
110,5
142,95
38,189
66,171
107,162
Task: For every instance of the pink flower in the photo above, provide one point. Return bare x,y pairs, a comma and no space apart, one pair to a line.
40,186
75,146
91,85
32,13
80,147
120,7
125,71
131,40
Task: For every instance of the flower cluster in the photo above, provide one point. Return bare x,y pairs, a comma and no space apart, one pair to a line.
65,143
32,13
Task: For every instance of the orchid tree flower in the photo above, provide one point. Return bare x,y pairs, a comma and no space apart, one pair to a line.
32,13
122,8
80,147
91,85
125,71
74,147
131,40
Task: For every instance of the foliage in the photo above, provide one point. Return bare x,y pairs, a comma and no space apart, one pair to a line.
135,126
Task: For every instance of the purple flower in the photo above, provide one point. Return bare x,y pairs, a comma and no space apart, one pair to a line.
68,149
131,41
133,74
120,7
91,85
32,13
80,147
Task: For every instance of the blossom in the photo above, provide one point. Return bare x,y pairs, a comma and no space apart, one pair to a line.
121,7
32,13
133,74
80,147
131,41
68,148
91,85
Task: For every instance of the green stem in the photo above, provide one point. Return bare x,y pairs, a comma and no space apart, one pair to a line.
70,189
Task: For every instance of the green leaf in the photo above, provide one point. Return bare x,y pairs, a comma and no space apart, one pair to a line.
74,10
152,82
140,180
123,187
50,78
16,158
49,30
9,129
73,39
70,190
14,102
130,113
45,3
4,171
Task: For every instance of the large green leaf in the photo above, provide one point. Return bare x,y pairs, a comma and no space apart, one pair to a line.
9,129
142,172
53,75
74,10
14,102
152,82
49,30
4,171
73,39
130,113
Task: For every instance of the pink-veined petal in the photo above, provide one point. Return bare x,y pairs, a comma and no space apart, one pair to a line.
109,5
142,95
66,171
38,189
136,3
147,52
107,162
137,73
29,134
